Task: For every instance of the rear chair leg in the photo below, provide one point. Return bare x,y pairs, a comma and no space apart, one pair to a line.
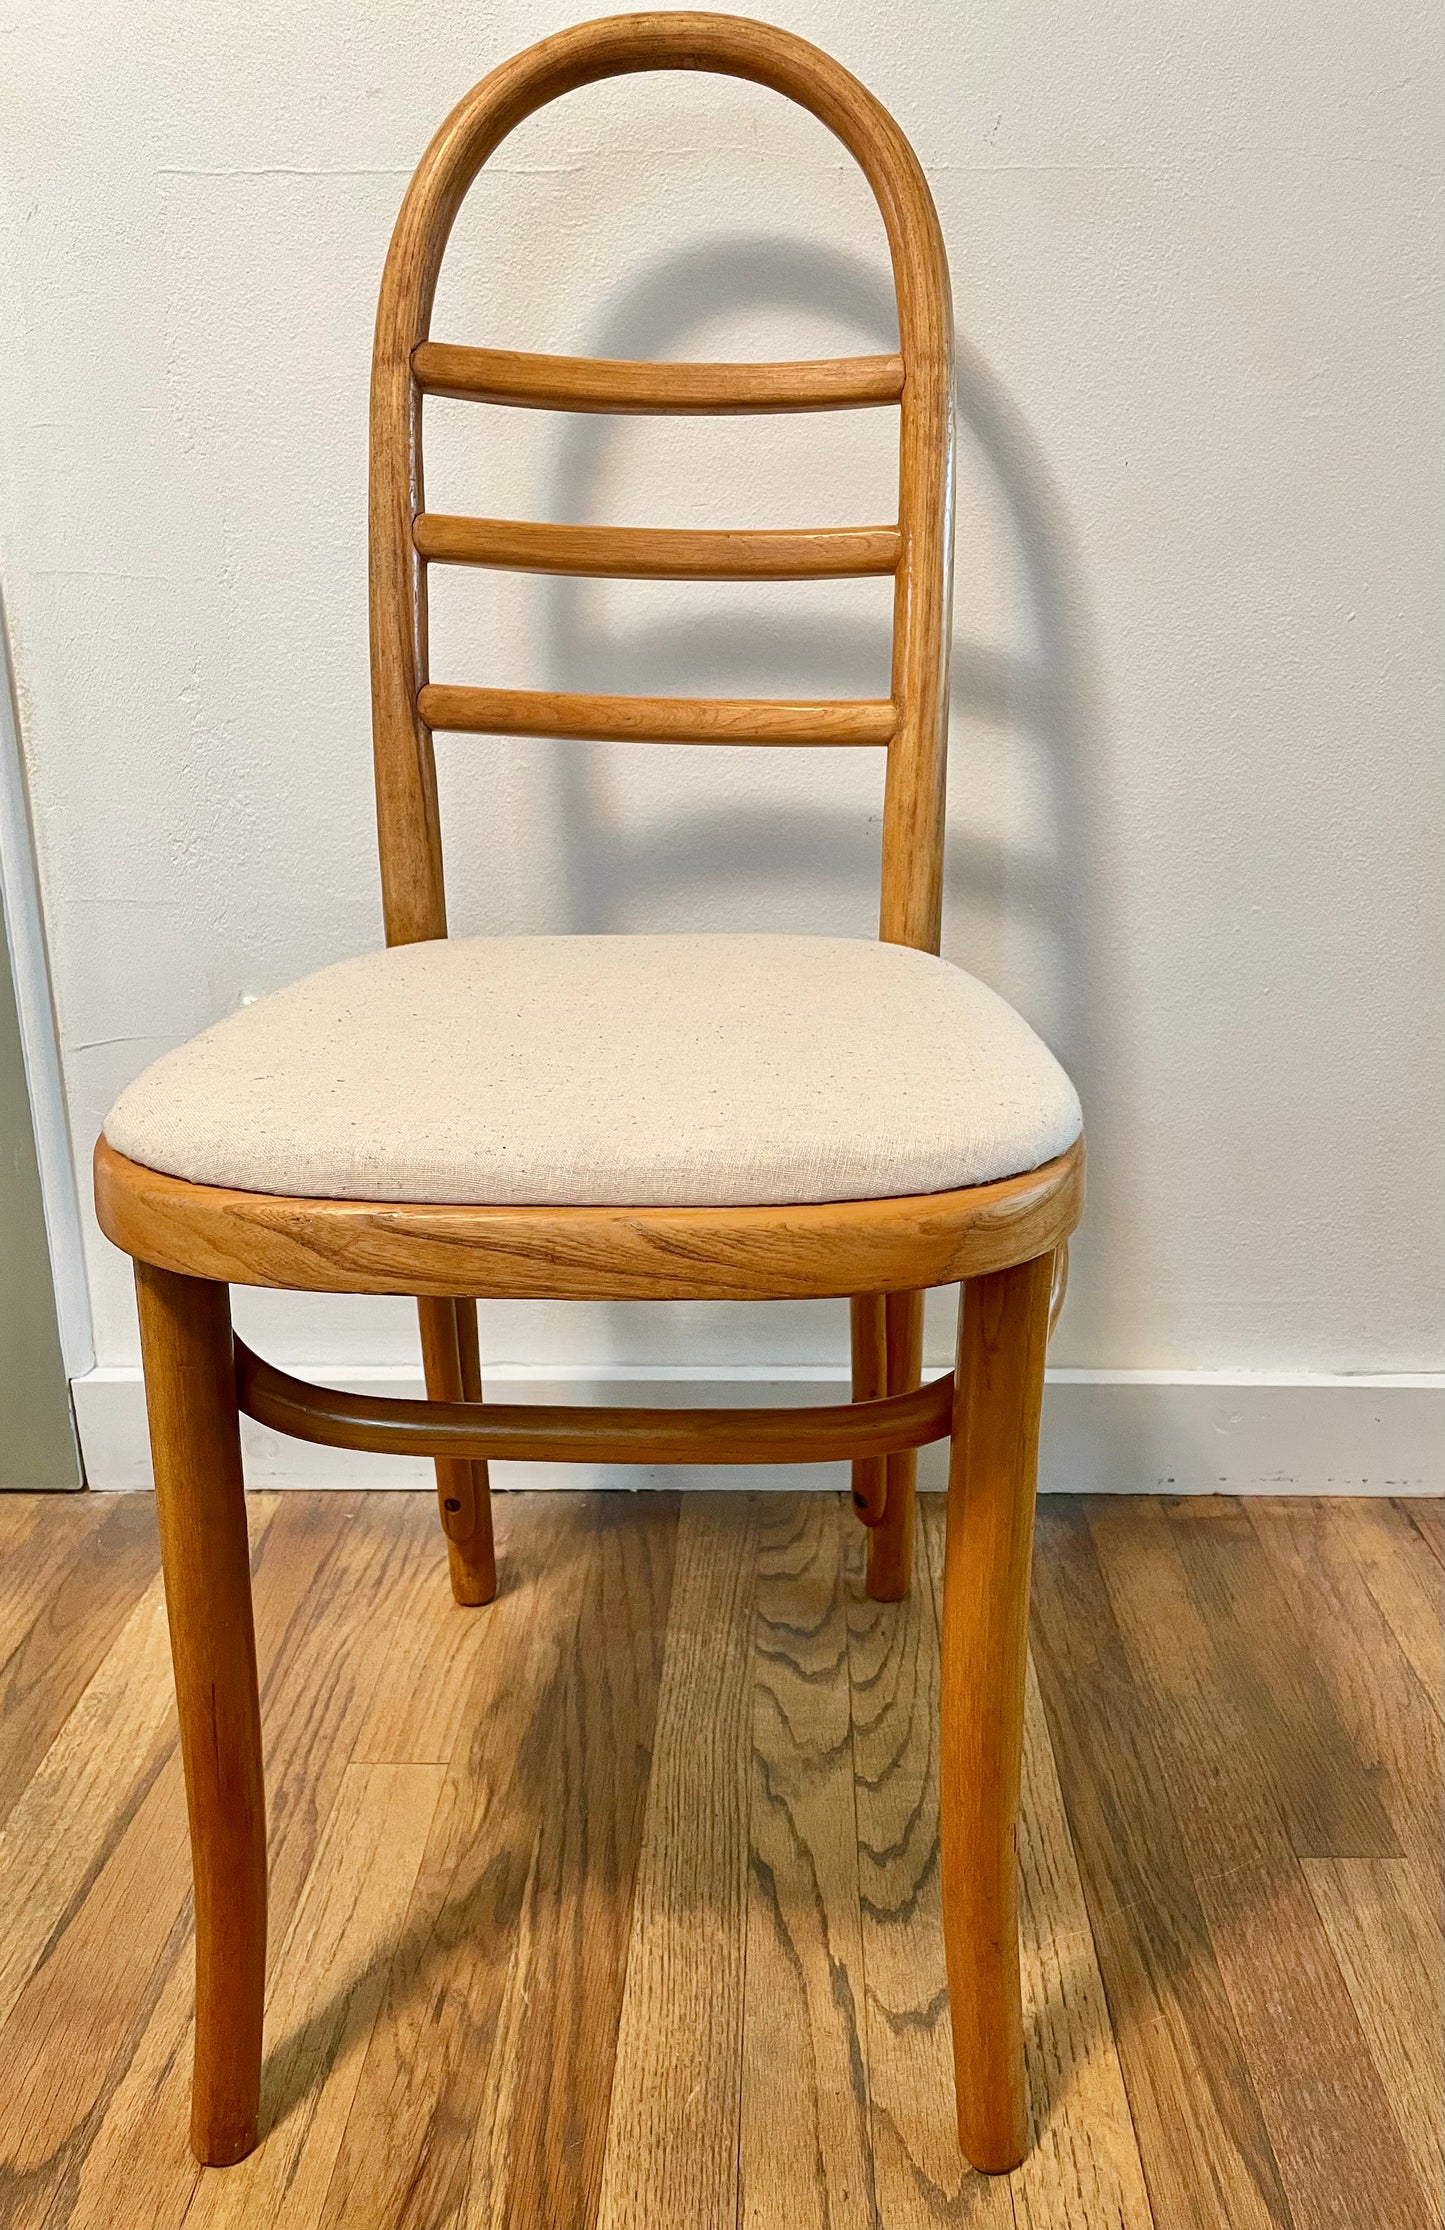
452,1365
200,1504
890,1542
993,1475
870,1383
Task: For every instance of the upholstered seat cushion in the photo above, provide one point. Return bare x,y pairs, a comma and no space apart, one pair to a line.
634,1071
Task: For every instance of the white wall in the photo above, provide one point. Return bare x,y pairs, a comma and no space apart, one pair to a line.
1195,770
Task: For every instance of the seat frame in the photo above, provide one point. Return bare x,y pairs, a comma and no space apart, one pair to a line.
1005,1243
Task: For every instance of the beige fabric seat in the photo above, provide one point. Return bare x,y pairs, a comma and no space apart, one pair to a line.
634,1071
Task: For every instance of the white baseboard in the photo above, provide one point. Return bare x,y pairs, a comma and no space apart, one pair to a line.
1105,1432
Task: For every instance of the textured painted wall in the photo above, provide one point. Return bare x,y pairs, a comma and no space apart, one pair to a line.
1194,776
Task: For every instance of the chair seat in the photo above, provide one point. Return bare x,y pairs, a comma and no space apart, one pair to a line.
674,1071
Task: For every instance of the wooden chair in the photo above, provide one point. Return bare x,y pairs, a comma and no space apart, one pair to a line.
196,1226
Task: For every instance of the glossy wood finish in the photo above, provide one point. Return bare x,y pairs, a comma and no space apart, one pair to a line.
541,1432
1060,1290
890,1543
629,386
195,1443
443,2044
868,1339
658,1254
463,1497
1003,1334
657,553
482,1555
546,712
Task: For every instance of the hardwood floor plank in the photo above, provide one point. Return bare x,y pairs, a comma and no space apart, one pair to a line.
63,1825
1341,2155
1408,1585
536,2161
75,2024
329,1587
921,2178
1372,1687
672,2141
324,1612
1202,2138
149,2178
138,2166
1084,2166
322,1600
74,1625
806,2152
538,1540
1254,1661
1427,1515
20,1512
326,1987
426,1674
1386,1939
405,2156
1193,1598
41,1537
106,1852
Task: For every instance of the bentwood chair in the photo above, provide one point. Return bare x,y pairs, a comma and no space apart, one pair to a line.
699,1118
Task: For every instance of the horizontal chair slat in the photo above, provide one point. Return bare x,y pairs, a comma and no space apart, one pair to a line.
598,383
545,712
658,553
539,1432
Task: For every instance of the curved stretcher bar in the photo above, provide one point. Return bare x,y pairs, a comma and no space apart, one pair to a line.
540,1432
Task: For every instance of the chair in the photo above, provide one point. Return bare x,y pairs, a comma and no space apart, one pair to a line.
452,1119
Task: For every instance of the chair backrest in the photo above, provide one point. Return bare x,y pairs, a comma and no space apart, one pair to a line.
406,366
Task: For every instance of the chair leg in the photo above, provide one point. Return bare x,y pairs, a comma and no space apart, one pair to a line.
482,1553
453,1373
870,1383
890,1542
993,1474
200,1504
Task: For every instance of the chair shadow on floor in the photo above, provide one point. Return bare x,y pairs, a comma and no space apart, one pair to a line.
297,2063
1068,2021
411,1968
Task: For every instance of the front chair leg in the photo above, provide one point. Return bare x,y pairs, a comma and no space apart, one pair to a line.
890,1542
993,1475
453,1373
200,1504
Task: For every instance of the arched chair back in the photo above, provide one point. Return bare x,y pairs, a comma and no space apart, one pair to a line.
408,704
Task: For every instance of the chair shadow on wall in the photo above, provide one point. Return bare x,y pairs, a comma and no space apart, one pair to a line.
1049,694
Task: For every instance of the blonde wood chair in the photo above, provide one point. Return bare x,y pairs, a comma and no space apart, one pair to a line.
209,1179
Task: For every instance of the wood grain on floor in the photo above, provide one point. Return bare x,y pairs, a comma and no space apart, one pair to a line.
615,1906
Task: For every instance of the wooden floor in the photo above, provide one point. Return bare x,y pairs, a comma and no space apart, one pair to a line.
617,1904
